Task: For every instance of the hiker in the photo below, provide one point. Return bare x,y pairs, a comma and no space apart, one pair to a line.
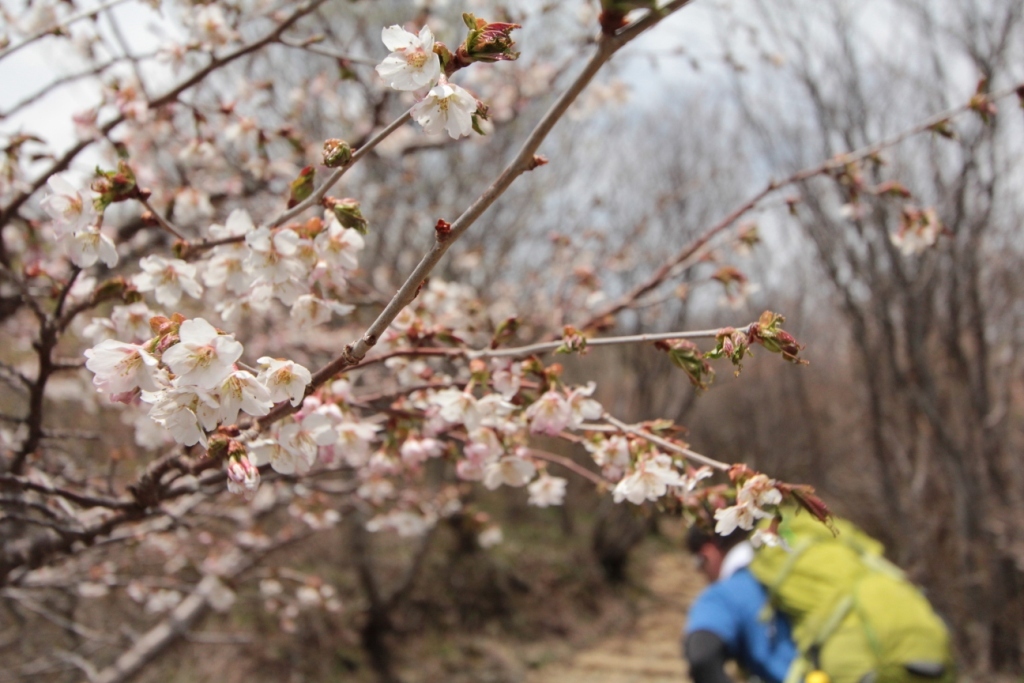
724,622
836,610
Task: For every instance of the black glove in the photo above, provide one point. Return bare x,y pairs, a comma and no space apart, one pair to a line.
707,656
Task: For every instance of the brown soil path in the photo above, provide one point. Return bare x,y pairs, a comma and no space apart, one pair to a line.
649,652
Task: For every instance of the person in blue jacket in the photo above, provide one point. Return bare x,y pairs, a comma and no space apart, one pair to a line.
727,620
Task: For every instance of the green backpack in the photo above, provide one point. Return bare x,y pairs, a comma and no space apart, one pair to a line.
855,615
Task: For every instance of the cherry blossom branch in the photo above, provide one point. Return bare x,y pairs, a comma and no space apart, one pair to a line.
26,601
149,491
185,614
544,347
63,80
666,444
332,179
81,499
161,221
835,163
59,26
324,52
115,27
525,160
171,95
570,465
531,349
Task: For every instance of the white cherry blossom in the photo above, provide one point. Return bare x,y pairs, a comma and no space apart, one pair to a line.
308,311
490,537
511,470
729,518
759,491
482,449
506,377
412,63
354,441
405,524
212,26
235,310
119,367
132,321
582,407
241,391
227,266
284,379
187,412
458,407
447,107
549,414
100,329
303,440
86,247
70,208
417,451
612,454
547,491
203,356
274,256
270,452
167,279
650,480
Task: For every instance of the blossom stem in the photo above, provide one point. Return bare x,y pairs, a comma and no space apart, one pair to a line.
570,465
324,52
332,179
161,221
666,444
544,347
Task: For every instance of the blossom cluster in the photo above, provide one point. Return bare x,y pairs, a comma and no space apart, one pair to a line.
417,61
188,374
75,224
753,497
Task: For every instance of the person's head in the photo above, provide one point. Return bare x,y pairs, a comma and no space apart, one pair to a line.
710,549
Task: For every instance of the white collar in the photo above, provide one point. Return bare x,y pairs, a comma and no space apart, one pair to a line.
738,557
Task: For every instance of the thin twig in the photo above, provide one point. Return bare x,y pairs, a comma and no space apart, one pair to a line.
82,499
161,221
332,179
544,347
570,465
324,52
26,601
837,162
666,444
59,26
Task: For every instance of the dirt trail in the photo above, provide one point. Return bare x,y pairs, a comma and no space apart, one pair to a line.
649,653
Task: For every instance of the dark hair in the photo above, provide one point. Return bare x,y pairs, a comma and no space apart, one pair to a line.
699,535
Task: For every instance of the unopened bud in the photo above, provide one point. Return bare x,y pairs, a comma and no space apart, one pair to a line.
243,476
488,41
113,288
337,153
348,213
944,129
613,13
302,186
114,186
217,446
443,229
